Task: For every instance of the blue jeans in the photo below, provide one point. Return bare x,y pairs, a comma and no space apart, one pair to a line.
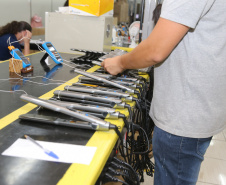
177,159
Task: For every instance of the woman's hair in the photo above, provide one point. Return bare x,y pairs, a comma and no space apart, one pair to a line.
15,27
156,13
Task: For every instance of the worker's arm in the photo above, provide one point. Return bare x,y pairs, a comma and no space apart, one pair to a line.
27,37
156,48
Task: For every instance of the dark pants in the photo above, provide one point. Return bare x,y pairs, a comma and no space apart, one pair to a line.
177,159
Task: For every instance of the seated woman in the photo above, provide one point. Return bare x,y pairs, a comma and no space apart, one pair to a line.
14,33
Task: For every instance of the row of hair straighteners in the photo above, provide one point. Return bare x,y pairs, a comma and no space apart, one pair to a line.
93,122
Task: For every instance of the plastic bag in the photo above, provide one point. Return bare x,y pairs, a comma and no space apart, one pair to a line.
36,21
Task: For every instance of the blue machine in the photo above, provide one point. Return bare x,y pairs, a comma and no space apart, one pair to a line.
51,50
17,54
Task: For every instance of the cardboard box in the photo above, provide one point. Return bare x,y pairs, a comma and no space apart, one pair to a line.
38,31
15,65
121,11
115,21
92,7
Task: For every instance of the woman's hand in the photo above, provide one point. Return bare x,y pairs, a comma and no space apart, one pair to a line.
27,36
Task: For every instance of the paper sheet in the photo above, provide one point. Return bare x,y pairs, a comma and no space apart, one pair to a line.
67,153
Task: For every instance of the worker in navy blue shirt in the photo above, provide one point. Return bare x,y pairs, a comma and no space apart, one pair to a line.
14,33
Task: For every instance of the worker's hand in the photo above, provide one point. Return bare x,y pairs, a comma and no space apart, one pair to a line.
27,36
113,65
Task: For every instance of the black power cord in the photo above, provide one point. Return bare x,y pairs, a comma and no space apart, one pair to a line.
125,176
114,127
109,178
147,140
115,159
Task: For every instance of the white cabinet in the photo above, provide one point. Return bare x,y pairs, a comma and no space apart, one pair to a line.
67,31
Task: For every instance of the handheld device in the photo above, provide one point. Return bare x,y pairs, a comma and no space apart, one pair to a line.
122,78
126,83
82,107
97,123
84,96
57,121
17,54
97,111
88,102
96,91
105,115
103,88
99,83
51,50
99,79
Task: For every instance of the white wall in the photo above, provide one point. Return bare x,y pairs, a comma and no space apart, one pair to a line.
23,10
14,10
56,4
